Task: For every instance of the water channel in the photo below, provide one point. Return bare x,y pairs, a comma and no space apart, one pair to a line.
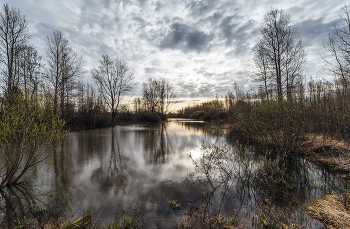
144,166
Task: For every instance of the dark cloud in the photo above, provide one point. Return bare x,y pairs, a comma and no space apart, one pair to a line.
314,31
204,89
153,70
186,89
185,38
204,71
150,70
212,20
159,6
228,26
138,19
190,89
238,35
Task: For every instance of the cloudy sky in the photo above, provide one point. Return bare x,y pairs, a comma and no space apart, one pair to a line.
202,47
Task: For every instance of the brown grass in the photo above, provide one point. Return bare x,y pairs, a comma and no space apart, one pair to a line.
174,204
321,150
210,221
334,154
332,210
52,223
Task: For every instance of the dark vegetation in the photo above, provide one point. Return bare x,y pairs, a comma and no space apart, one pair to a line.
210,110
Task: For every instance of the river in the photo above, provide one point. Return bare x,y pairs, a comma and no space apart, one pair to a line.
140,168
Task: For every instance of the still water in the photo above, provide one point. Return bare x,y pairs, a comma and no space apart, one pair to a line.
145,166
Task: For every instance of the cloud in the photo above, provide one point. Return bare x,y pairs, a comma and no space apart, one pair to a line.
185,38
201,47
313,31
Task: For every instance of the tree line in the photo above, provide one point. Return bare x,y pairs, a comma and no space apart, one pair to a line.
60,72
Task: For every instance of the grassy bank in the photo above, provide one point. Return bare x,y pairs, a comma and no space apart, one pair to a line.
40,218
332,210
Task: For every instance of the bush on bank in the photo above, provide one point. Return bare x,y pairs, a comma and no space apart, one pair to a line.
29,128
197,114
149,117
220,115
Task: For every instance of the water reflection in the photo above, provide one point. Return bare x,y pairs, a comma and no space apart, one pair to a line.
112,175
63,173
145,166
15,201
158,145
237,182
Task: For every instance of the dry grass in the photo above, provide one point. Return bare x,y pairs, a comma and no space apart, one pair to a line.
332,210
325,151
186,224
217,221
52,223
174,204
332,153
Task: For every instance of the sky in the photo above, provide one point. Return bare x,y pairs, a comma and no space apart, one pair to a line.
201,47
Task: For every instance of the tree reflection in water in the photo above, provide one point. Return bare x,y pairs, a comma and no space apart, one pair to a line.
112,174
63,188
15,202
158,145
236,182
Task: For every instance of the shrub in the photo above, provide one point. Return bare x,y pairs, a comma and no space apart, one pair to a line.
126,116
28,129
284,124
197,114
208,116
149,117
220,115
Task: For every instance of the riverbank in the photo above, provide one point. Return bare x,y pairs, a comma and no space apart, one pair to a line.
324,151
332,210
335,155
330,153
40,218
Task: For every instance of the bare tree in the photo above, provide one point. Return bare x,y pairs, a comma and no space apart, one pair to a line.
13,38
114,81
89,104
166,96
338,46
150,95
260,70
137,105
30,70
279,54
63,66
158,95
